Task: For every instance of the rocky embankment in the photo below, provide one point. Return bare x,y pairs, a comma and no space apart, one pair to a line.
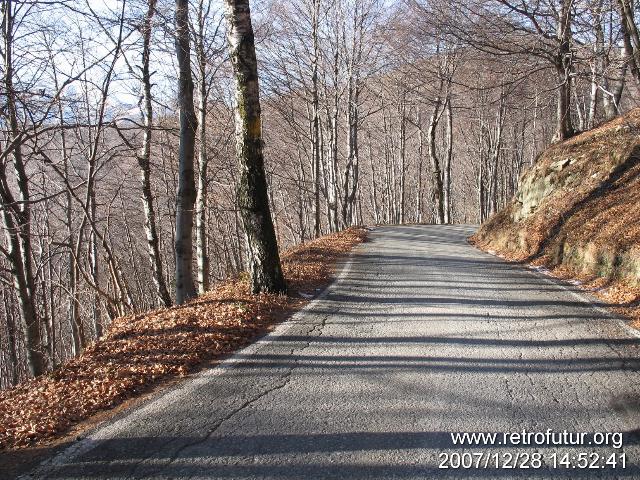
577,211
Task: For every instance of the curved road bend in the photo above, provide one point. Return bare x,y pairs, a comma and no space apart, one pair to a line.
421,336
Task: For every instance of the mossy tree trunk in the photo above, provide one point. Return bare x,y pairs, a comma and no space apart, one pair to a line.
186,198
252,198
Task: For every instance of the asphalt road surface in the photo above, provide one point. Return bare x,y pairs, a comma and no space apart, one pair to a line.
422,335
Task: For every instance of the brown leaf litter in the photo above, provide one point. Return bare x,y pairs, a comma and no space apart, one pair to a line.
144,350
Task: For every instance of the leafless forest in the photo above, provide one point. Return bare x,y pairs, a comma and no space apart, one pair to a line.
373,112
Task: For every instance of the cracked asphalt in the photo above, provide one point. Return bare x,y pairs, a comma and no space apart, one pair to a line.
420,336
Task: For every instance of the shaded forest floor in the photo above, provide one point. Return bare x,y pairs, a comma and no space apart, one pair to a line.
152,349
577,214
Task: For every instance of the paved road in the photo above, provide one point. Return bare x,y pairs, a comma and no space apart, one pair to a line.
421,336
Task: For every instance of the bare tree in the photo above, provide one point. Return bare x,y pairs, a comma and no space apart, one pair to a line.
144,161
535,30
16,211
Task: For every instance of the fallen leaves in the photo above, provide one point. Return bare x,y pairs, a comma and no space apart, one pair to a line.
141,351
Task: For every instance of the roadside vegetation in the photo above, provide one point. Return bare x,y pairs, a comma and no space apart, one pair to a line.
139,352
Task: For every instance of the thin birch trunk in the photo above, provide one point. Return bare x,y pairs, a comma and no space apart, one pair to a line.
202,255
144,163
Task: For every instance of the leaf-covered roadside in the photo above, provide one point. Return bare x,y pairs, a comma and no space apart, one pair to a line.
142,350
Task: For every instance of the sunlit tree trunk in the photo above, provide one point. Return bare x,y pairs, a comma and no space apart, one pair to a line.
436,169
202,254
403,155
447,161
315,136
631,36
253,201
351,173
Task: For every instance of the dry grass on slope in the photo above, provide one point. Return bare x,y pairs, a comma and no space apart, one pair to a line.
140,351
577,212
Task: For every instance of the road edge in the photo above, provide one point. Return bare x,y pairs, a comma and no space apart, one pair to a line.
582,295
92,437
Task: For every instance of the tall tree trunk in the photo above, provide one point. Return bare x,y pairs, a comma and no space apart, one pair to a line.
202,254
631,36
403,155
315,136
351,172
186,198
144,163
252,197
611,98
481,155
480,191
73,306
564,65
96,311
29,319
495,148
419,187
598,63
332,153
436,170
350,180
17,216
564,125
447,161
593,101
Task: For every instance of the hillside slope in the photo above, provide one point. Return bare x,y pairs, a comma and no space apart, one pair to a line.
577,211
